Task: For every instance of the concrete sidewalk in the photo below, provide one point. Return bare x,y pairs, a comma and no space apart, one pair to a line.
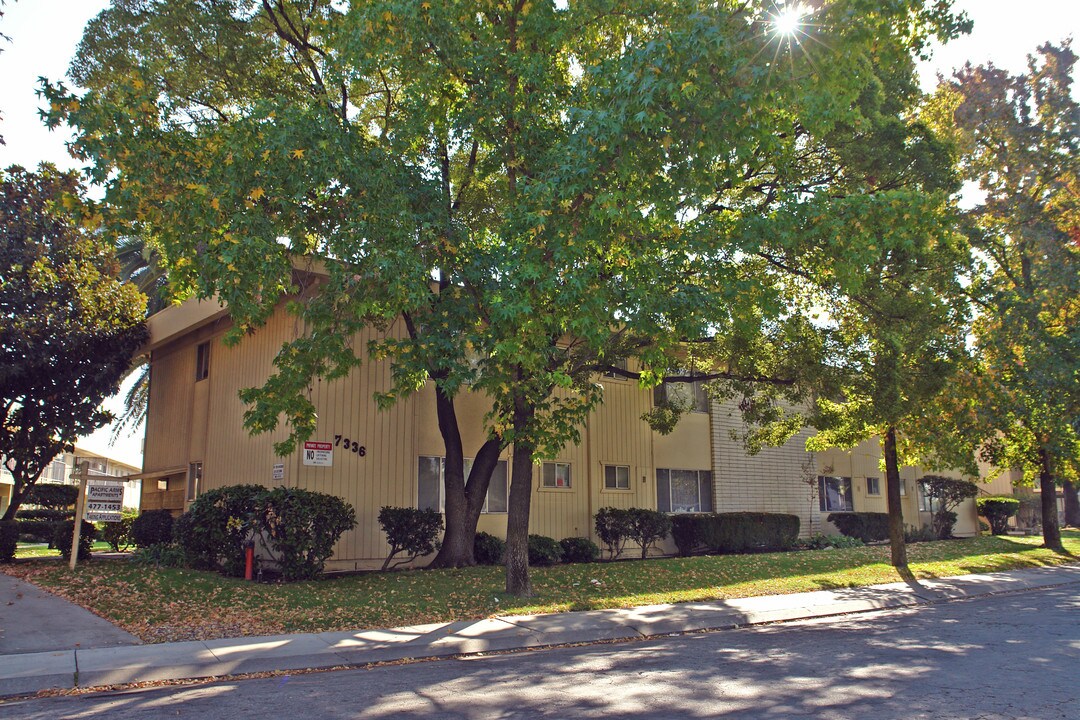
30,672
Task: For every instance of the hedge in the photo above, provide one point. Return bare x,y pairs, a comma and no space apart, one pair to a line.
867,526
579,550
51,495
213,531
544,551
62,538
488,549
688,532
408,529
153,527
740,532
299,529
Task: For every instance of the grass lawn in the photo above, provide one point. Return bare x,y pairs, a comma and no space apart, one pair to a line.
161,605
41,550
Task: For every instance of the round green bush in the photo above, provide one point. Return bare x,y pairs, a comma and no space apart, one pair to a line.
213,531
579,550
488,549
152,527
62,538
544,551
997,510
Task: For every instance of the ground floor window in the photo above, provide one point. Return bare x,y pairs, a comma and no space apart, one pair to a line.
616,477
834,494
680,491
430,490
555,475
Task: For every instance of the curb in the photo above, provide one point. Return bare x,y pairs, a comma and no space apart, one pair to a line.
29,673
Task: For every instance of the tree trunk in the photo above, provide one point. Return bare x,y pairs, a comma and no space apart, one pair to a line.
517,517
1048,490
892,490
1072,504
463,500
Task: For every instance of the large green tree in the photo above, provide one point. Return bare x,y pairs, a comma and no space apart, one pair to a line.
519,193
68,327
1019,137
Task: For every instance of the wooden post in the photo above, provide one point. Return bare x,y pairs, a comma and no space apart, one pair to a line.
80,507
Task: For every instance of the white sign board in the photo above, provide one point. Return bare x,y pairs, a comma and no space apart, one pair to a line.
319,454
279,471
104,500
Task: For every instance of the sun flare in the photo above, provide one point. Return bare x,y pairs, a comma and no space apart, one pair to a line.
788,20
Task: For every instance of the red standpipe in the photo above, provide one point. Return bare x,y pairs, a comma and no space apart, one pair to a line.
249,561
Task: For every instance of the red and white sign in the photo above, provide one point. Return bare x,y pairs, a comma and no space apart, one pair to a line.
319,454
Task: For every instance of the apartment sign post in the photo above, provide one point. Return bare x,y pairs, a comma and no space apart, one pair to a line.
80,505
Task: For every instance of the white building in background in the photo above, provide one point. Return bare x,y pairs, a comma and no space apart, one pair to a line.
64,464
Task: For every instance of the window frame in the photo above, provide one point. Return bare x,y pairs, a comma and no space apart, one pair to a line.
876,492
703,479
202,361
699,399
823,496
441,483
555,465
616,487
620,363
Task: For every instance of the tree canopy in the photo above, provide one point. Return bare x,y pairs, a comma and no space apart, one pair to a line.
518,193
68,327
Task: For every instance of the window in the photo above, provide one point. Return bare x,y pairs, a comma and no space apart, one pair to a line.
686,394
616,477
555,475
834,494
926,502
202,361
903,488
58,471
194,480
620,364
430,485
873,486
680,491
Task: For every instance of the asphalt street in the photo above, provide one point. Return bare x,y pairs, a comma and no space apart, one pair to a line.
1008,656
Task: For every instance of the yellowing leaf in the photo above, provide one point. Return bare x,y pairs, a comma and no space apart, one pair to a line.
256,193
298,153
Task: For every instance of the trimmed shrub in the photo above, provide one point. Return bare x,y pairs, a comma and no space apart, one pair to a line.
946,493
543,551
613,527
741,532
997,510
299,528
9,540
579,550
920,534
37,530
648,527
47,514
62,538
821,542
51,496
118,534
152,527
688,531
213,531
867,526
488,549
413,531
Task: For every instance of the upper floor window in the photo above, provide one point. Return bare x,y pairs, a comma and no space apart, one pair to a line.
202,361
194,480
621,364
686,394
873,486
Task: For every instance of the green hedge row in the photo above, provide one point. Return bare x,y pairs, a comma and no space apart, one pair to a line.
867,526
734,532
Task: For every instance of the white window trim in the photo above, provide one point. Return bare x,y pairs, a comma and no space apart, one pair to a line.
616,488
569,475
